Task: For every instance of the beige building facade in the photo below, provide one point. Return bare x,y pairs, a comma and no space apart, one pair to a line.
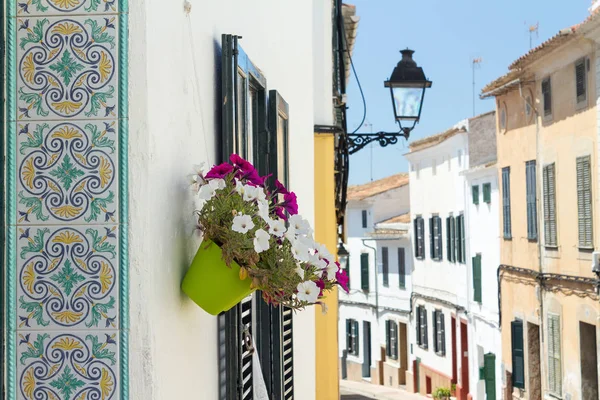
548,174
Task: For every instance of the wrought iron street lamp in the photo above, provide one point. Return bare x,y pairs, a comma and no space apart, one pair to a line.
407,89
342,256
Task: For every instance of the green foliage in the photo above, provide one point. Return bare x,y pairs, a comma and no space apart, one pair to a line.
99,350
35,350
442,394
99,310
35,34
35,140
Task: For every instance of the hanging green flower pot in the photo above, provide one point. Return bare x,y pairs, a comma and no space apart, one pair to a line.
211,284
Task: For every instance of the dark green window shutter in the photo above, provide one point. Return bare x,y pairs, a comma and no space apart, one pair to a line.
448,240
477,278
356,337
443,334
431,239
475,193
425,330
418,325
463,252
584,202
453,239
487,193
439,247
547,96
364,271
416,237
401,268
506,217
518,355
434,319
388,344
489,367
422,237
385,266
349,335
581,80
364,218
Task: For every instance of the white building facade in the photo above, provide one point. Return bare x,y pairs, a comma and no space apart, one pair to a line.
374,314
439,322
483,249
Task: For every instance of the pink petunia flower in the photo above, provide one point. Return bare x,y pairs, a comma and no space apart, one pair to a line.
219,171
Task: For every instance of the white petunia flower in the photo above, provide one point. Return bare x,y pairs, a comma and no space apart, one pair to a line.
250,193
300,251
331,270
308,291
239,187
206,192
320,264
261,241
301,226
242,223
261,195
277,227
300,271
263,211
217,184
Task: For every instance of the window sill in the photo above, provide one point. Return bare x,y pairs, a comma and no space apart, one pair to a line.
507,237
586,249
532,240
551,247
440,354
423,347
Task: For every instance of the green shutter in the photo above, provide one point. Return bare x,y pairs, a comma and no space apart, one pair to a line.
401,268
435,331
356,338
364,271
487,193
477,278
388,344
489,362
443,329
431,239
448,240
462,240
385,266
453,239
518,355
418,325
475,192
349,335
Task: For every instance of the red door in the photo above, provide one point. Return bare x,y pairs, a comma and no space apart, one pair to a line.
464,365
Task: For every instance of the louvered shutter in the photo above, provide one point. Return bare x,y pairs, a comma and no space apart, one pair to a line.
431,239
506,202
440,241
476,278
436,339
530,179
416,237
388,344
550,205
364,271
288,354
448,240
443,329
425,331
547,96
489,363
349,335
356,338
364,218
554,355
422,237
475,193
462,239
580,81
453,239
401,268
418,323
385,266
437,243
487,193
584,202
395,341
518,359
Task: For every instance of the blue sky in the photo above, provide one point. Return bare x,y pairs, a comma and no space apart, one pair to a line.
446,36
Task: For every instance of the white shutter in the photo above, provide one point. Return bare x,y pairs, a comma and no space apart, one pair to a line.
550,205
554,355
584,202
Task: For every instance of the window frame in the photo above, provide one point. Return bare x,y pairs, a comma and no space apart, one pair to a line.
437,240
439,329
422,337
419,228
391,334
352,337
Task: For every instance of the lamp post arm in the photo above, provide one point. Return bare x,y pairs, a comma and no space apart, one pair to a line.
357,141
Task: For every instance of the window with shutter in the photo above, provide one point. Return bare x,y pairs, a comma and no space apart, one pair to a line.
364,218
443,335
349,335
531,200
453,239
489,367
355,338
581,81
518,358
506,202
243,132
364,271
431,239
437,226
549,193
394,340
475,193
401,268
418,325
547,96
424,331
448,240
477,278
487,193
462,255
554,355
422,237
422,339
391,336
439,330
352,336
385,266
584,202
388,344
436,339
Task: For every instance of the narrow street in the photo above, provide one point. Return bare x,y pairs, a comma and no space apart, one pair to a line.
351,390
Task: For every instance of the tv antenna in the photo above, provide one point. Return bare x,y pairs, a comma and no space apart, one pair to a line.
533,30
476,62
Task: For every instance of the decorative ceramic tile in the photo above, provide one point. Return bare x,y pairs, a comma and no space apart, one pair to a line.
67,172
66,68
68,365
67,277
65,7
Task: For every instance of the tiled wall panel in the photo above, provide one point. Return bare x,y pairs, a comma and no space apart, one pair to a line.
66,199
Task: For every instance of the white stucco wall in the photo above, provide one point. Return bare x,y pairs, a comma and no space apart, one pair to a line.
482,221
174,123
437,187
